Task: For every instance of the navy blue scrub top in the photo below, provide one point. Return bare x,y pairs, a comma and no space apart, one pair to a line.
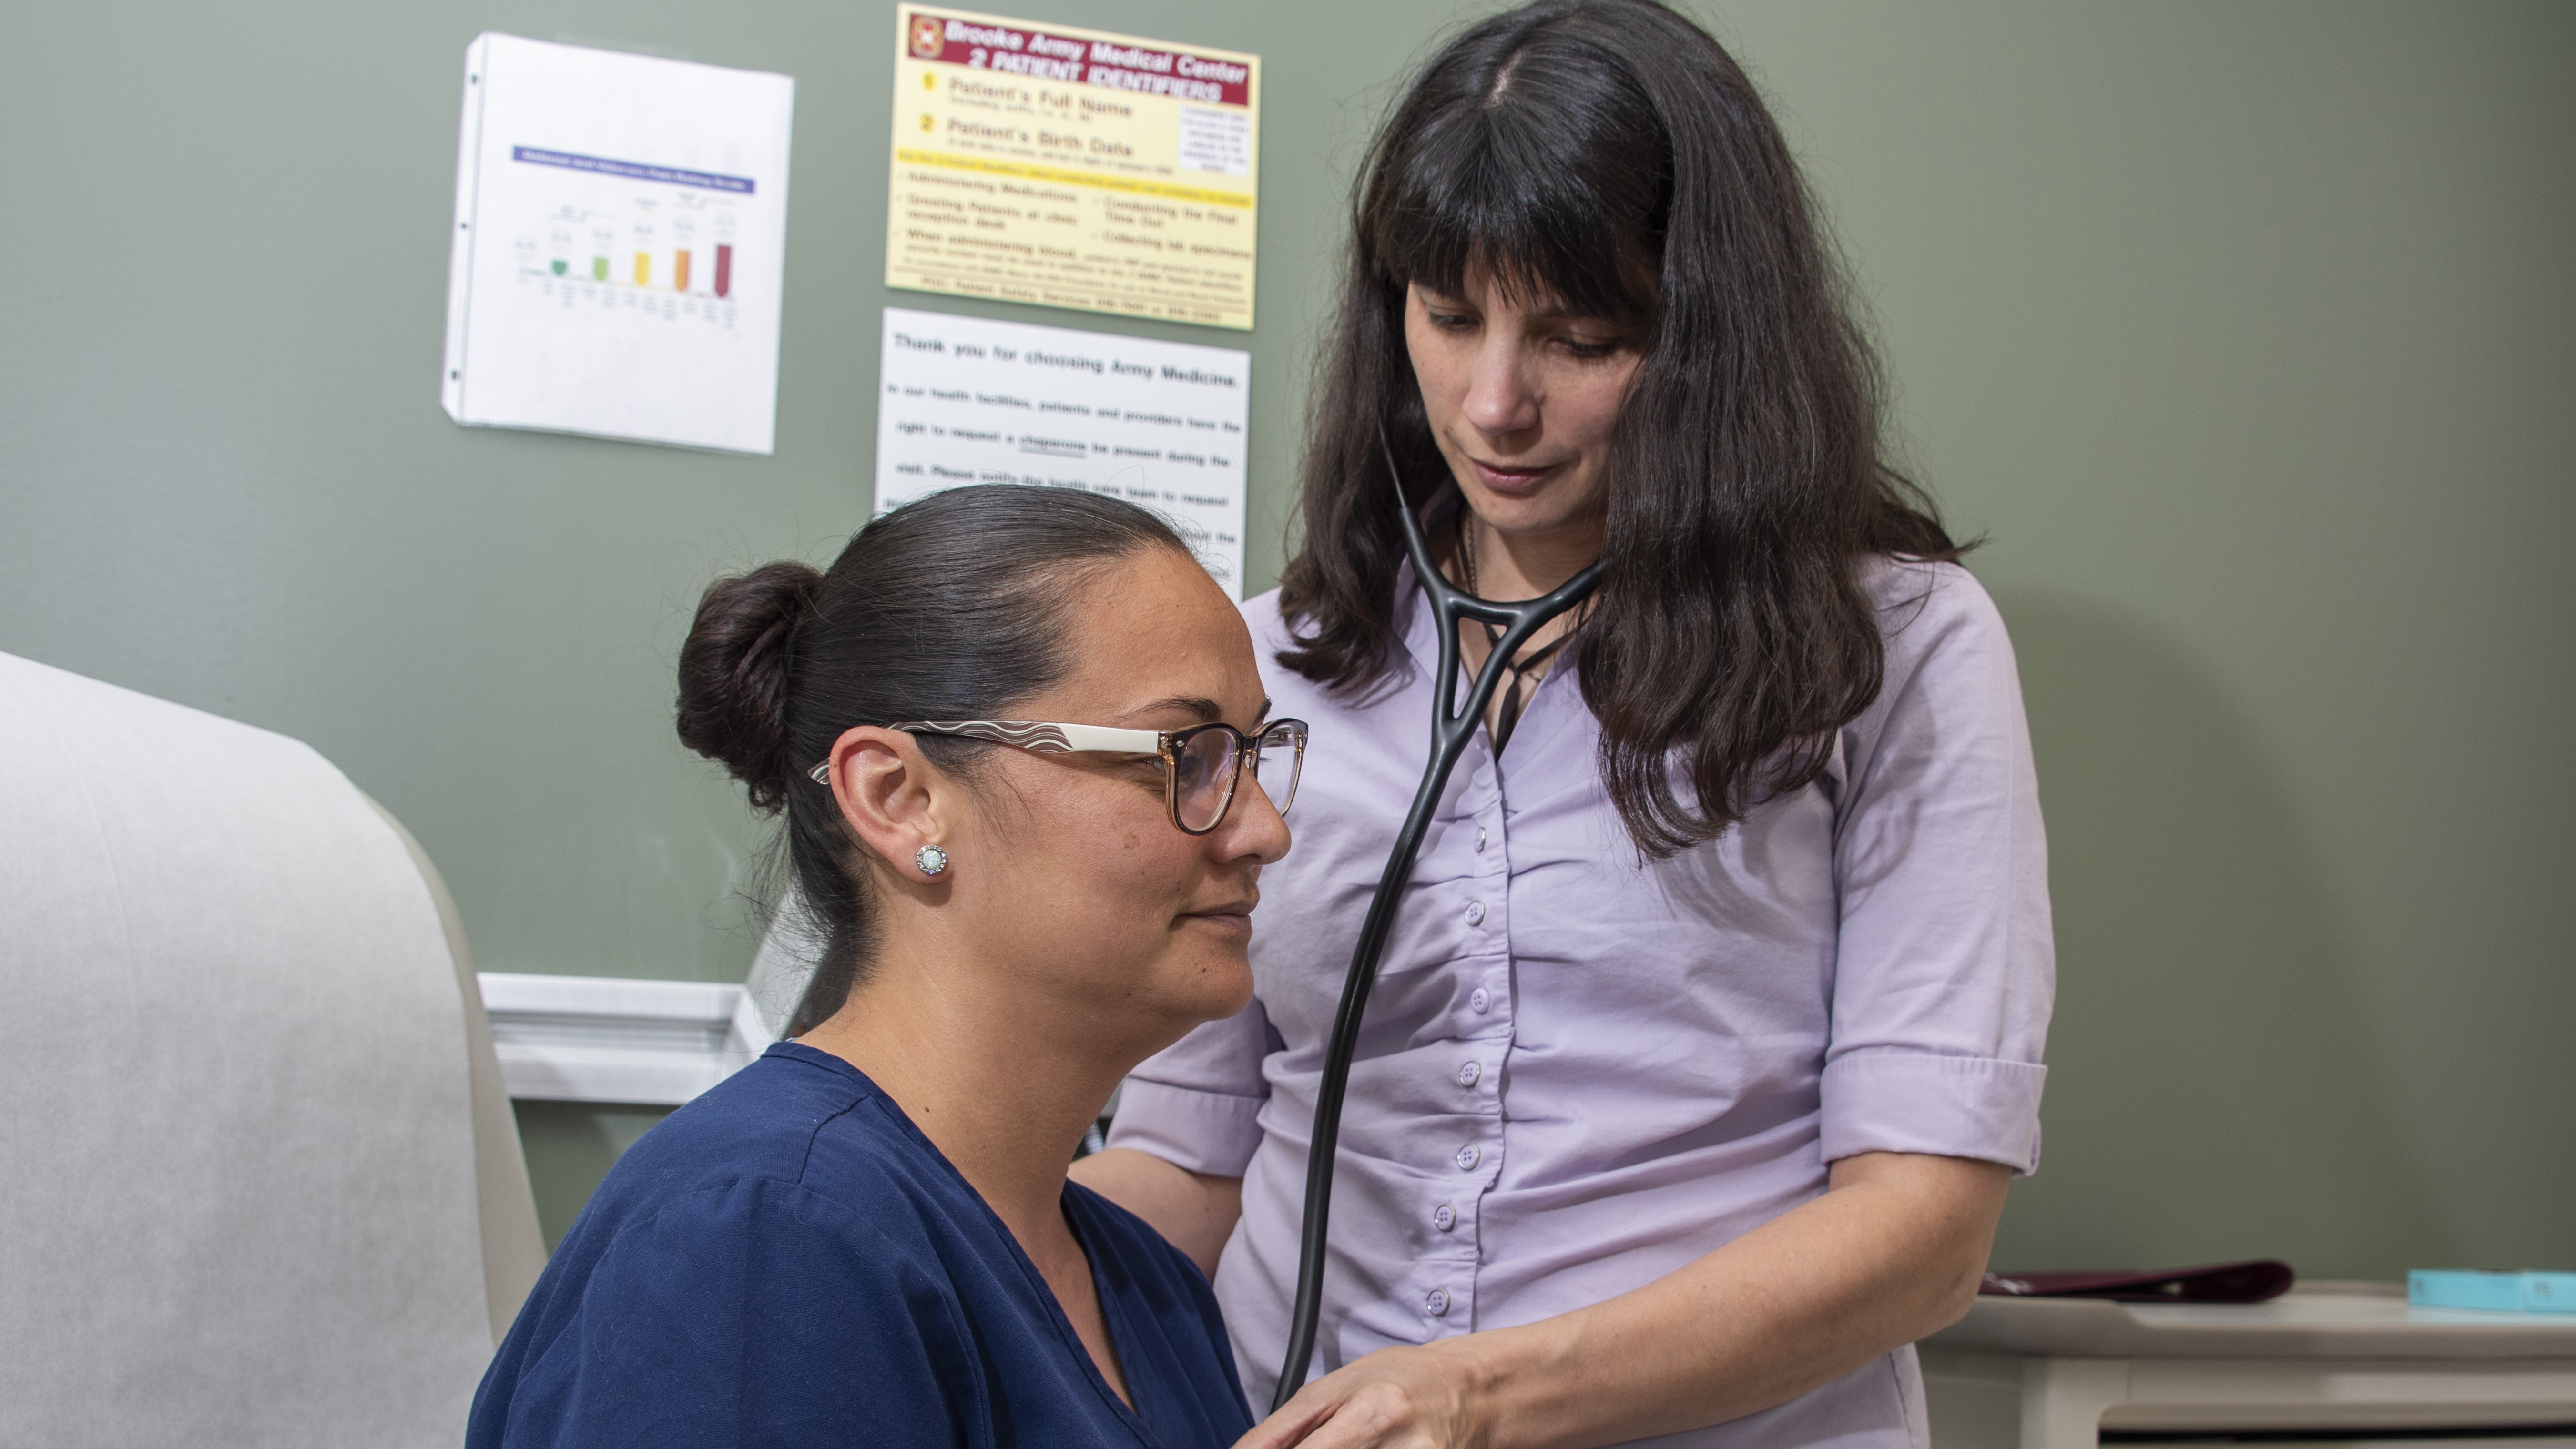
788,1261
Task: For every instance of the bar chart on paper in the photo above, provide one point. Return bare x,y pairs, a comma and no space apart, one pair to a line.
619,246
628,236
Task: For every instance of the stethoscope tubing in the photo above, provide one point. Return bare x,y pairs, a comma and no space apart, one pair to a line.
1452,728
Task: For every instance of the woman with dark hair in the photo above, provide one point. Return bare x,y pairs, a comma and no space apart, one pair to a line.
1030,781
1709,1033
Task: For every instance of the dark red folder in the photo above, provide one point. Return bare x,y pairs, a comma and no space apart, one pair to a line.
2251,1281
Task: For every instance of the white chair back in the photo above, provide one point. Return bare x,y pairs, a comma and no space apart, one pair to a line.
258,1181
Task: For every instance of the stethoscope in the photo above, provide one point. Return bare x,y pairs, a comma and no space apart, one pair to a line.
1452,727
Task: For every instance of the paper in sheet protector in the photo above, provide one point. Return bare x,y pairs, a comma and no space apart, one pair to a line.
963,400
619,243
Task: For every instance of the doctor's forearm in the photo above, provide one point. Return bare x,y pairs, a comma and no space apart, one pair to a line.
1195,1211
1893,1252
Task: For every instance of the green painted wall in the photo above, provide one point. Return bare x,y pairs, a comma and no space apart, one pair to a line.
2246,332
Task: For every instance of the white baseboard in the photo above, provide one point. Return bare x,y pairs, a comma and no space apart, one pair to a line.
606,1039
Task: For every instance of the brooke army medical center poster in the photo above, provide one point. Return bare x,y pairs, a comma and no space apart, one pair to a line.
1073,168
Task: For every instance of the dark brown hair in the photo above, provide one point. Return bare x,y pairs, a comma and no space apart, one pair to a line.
951,607
1609,154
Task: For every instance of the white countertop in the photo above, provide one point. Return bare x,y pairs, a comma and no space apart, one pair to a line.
2313,1320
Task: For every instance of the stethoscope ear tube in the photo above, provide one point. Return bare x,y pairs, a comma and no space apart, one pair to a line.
1452,727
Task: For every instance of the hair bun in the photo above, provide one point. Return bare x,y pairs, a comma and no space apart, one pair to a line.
733,674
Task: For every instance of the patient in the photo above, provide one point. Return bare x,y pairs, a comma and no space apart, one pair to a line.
867,1236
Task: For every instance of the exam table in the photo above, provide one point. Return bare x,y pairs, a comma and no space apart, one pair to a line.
259,1181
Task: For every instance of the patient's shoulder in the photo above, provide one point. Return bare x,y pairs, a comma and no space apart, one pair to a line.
761,1121
685,1305
797,1117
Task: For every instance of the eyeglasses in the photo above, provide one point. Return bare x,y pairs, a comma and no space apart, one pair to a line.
1201,764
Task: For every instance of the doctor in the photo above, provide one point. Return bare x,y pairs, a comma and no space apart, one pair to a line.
1710,1032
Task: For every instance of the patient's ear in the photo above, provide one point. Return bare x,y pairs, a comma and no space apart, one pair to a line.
893,797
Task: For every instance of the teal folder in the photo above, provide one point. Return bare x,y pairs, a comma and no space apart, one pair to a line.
2497,1292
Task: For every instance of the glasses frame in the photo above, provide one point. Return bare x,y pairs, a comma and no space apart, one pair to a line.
1054,738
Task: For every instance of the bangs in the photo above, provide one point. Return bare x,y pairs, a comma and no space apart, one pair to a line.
1518,184
1609,158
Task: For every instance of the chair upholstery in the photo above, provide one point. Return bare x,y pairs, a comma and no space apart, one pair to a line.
258,1180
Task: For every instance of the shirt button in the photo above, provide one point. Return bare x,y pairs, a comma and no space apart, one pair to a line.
1468,1072
1475,913
1468,1156
1480,837
1479,1000
1436,1302
1444,1217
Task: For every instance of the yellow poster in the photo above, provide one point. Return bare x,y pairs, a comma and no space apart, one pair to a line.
1073,168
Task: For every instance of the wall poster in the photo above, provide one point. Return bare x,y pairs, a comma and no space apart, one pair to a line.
1072,168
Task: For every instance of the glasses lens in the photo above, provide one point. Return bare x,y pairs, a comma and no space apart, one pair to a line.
1204,779
1275,762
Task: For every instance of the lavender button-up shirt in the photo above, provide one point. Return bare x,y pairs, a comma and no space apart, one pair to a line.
1581,1071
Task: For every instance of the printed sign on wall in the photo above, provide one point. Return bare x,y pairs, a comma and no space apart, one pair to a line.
1073,168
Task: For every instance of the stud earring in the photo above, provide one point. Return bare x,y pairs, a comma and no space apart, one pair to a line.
931,859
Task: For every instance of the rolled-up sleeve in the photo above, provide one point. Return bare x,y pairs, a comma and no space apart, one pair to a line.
1197,1103
1945,969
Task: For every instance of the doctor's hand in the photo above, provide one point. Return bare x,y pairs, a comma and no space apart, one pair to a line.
1395,1398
